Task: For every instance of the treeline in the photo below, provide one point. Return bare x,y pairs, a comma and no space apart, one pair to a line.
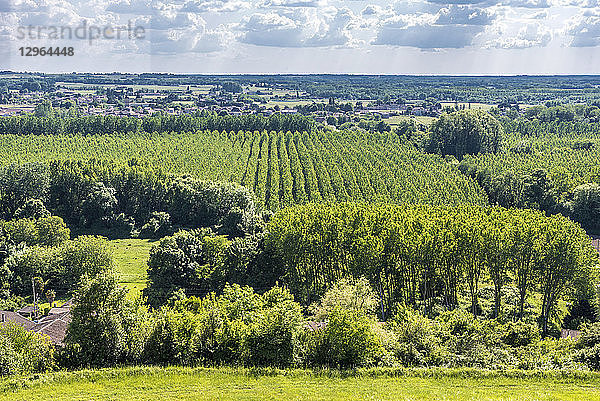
242,328
281,168
39,252
429,258
98,125
423,256
120,199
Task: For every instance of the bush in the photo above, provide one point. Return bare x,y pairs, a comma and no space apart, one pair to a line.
585,205
417,337
10,361
272,336
106,327
519,334
173,338
185,261
348,340
32,209
23,352
590,356
158,226
356,295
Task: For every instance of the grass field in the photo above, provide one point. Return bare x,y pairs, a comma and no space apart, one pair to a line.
241,384
131,256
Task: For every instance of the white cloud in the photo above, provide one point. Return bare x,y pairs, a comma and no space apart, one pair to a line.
298,28
452,27
584,30
215,6
292,3
533,34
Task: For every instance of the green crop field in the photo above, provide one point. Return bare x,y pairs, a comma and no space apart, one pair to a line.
130,257
240,384
280,168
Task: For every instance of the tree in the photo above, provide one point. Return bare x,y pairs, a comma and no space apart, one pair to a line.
185,261
465,132
32,209
50,297
348,294
585,205
43,109
106,327
20,183
100,204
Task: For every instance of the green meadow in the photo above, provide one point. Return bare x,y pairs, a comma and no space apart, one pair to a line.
131,256
242,384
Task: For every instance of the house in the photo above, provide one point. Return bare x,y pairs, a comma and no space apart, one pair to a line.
8,316
572,334
59,310
54,326
28,312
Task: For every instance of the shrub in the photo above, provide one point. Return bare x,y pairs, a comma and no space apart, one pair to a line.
347,340
32,209
106,327
356,295
185,261
23,351
272,336
172,339
518,334
417,337
590,356
590,335
158,226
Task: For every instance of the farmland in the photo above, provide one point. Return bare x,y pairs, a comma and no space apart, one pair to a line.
280,168
240,384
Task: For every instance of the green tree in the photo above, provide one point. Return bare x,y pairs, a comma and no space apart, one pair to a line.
465,132
106,327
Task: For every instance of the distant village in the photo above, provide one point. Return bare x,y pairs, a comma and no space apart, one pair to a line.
145,101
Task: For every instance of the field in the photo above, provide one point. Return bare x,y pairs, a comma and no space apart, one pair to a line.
131,256
240,384
569,152
280,168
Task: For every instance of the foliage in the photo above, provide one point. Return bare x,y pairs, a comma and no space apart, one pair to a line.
106,328
61,267
236,327
347,340
24,352
425,256
348,294
185,261
585,206
465,132
280,168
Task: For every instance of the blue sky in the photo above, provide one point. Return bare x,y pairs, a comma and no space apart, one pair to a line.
312,36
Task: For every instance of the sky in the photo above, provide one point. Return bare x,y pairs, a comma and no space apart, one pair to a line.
454,37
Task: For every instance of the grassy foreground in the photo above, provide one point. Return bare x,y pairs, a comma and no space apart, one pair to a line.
152,383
